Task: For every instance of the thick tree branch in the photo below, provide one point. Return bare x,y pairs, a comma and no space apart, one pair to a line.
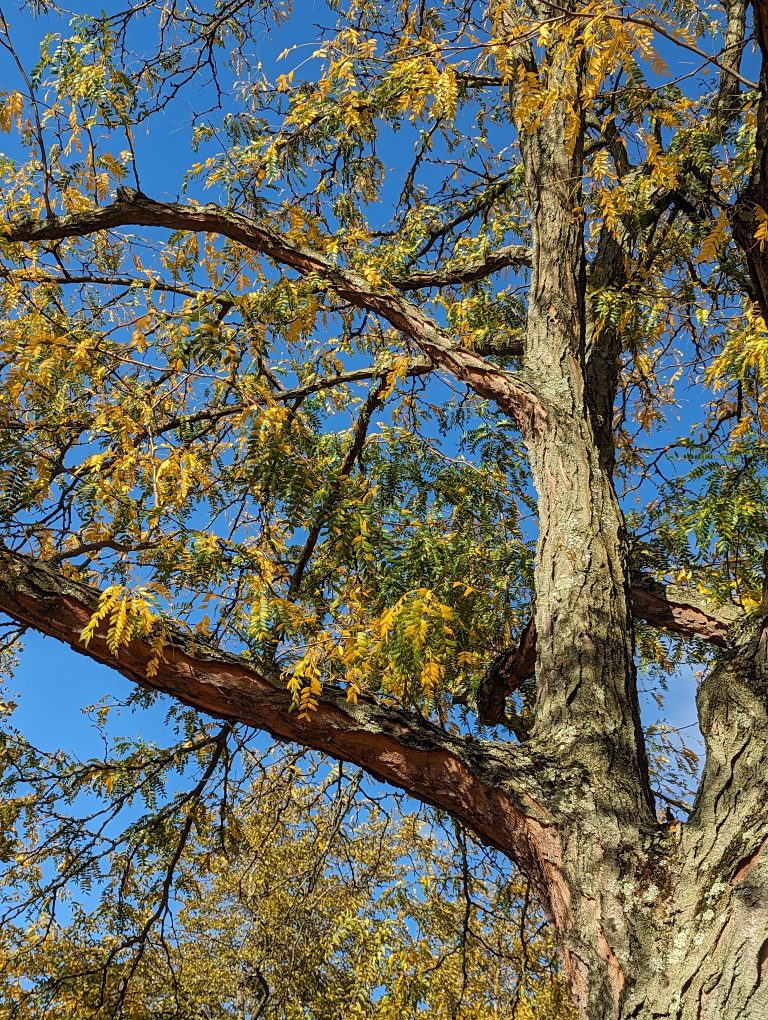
496,791
682,612
509,392
666,607
507,672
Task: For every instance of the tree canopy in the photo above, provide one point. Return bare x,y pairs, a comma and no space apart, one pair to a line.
389,377
297,894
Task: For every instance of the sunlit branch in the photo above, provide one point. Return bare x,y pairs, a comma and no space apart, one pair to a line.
441,768
511,393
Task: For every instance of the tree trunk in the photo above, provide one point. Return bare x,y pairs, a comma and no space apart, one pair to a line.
586,706
655,920
709,961
699,940
670,920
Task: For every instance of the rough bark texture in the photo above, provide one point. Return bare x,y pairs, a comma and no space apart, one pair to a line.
657,924
664,606
702,915
586,695
656,920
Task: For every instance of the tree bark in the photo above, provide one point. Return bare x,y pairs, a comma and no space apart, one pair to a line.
656,920
649,931
586,704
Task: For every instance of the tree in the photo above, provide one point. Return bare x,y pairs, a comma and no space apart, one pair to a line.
301,896
348,453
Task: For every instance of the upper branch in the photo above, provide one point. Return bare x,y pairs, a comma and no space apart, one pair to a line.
358,438
509,392
751,206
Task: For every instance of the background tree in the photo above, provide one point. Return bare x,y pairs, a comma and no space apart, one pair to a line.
298,893
398,434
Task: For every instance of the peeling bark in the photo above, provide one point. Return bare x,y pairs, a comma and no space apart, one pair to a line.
704,954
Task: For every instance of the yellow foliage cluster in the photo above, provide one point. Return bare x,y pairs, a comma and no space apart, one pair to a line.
128,614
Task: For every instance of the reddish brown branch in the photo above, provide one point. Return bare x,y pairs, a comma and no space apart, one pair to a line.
682,612
507,672
473,781
508,391
668,608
